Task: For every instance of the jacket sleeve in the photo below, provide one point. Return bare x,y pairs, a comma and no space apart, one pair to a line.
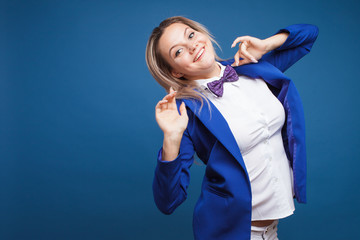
172,178
299,42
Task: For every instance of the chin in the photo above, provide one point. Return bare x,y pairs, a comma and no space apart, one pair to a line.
209,62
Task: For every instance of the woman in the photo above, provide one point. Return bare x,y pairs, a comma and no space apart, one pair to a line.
245,123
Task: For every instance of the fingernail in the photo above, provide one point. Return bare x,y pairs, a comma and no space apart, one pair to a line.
254,60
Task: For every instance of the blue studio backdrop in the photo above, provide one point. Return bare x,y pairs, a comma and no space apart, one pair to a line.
78,137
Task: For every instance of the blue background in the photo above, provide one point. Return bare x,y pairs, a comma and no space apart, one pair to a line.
78,137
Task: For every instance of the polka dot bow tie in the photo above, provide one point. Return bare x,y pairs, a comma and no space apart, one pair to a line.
217,87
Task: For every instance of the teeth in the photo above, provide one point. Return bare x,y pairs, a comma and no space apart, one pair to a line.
199,54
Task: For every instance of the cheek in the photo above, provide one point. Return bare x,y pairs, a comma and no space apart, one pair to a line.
210,54
184,60
178,65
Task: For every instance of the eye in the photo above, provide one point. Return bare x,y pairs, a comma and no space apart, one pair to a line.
191,35
178,52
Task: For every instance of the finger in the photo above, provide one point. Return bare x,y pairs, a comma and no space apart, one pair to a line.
164,98
236,41
183,113
236,58
244,61
158,107
239,39
171,91
171,100
170,96
245,53
241,57
164,106
183,109
163,101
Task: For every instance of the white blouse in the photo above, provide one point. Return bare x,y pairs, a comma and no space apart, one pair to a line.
255,117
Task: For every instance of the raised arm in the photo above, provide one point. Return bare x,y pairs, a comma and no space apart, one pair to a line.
172,173
282,49
252,49
299,42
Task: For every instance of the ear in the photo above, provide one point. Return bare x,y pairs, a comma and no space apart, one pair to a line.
177,74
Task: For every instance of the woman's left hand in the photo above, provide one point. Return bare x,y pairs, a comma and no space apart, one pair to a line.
250,50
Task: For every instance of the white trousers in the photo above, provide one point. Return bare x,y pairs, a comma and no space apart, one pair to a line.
265,233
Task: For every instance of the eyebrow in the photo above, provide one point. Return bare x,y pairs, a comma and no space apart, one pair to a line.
177,44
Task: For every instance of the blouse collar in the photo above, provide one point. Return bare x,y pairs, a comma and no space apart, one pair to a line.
203,82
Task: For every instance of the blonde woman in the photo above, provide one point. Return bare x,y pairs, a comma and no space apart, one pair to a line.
242,117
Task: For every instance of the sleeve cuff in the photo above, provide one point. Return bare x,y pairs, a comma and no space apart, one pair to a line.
286,43
168,167
163,161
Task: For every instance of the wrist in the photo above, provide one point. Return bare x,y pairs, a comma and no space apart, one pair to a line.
171,146
275,41
173,137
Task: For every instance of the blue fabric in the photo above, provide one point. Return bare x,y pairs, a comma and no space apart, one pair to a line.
223,210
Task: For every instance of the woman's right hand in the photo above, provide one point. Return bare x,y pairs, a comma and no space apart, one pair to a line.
168,118
172,124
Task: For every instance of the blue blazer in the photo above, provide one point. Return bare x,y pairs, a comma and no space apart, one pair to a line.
223,210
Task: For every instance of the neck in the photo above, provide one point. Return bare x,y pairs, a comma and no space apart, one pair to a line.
213,72
216,71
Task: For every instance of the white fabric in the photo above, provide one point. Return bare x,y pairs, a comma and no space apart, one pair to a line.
265,233
255,117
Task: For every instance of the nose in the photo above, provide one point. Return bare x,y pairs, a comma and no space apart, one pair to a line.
192,47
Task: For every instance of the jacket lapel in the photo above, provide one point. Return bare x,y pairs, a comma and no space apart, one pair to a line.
218,126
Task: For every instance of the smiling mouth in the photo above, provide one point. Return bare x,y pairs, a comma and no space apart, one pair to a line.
199,54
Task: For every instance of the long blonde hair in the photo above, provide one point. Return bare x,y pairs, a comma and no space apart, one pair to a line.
161,70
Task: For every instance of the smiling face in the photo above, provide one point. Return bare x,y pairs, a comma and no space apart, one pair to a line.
189,53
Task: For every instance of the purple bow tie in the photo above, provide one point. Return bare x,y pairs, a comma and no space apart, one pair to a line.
216,86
